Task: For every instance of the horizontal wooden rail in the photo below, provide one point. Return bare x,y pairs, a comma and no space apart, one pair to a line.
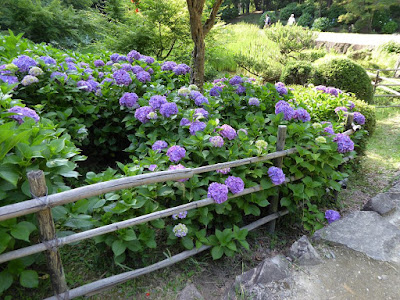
394,96
109,282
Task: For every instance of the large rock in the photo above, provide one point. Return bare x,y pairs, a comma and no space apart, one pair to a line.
190,293
269,280
367,232
383,203
304,253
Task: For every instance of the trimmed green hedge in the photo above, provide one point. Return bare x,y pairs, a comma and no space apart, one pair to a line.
296,72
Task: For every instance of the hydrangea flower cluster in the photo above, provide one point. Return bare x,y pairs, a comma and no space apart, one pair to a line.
98,63
181,69
178,167
345,144
276,175
143,76
332,216
180,230
217,141
281,88
176,153
261,144
136,69
240,89
156,101
122,77
359,118
340,108
199,101
168,109
168,65
236,80
35,71
48,60
28,80
159,145
129,100
320,140
58,75
9,79
215,91
224,171
302,115
22,112
197,126
228,132
147,59
285,108
234,184
351,105
218,192
133,55
200,112
328,90
184,122
180,215
254,101
142,112
24,63
152,167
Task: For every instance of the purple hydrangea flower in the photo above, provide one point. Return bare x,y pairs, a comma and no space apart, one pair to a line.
329,129
194,94
122,58
332,216
198,112
181,69
83,65
228,132
176,153
199,101
217,141
122,77
180,230
284,107
240,90
218,192
58,75
236,80
109,63
168,66
180,215
128,100
87,71
149,70
156,101
254,101
224,171
235,184
142,112
114,57
98,63
345,144
24,63
133,55
280,88
351,105
159,145
152,167
126,67
242,130
9,79
320,88
69,59
215,91
110,80
220,80
136,69
196,126
184,122
179,167
143,76
333,91
276,175
48,60
21,112
302,115
68,67
93,85
359,118
100,75
168,109
28,80
340,108
147,59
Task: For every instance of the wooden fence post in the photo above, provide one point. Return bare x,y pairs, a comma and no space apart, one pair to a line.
349,121
278,162
376,81
47,230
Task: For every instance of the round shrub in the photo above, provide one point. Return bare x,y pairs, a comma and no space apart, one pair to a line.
390,27
321,24
297,72
343,74
312,54
305,20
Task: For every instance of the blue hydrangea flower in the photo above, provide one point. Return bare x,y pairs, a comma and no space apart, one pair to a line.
280,88
351,105
302,115
224,171
180,230
333,91
236,80
184,122
69,59
28,80
122,77
179,167
240,89
48,60
9,79
228,132
24,63
340,108
217,141
114,57
254,101
168,65
180,215
215,91
169,109
58,75
284,107
276,175
332,216
143,76
235,184
321,88
196,126
128,100
146,59
359,118
345,144
156,101
137,69
122,58
133,55
22,112
176,153
142,112
200,112
98,63
159,145
194,94
218,192
152,167
199,101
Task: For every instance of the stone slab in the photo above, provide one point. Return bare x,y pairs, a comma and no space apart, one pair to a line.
366,232
304,253
190,292
383,203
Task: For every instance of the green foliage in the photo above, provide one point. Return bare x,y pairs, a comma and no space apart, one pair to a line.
12,45
340,73
292,8
291,38
390,27
305,20
296,72
312,54
321,24
271,14
390,47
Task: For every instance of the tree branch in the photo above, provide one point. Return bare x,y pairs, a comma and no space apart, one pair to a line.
210,21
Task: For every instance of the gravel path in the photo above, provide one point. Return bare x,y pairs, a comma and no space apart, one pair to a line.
357,38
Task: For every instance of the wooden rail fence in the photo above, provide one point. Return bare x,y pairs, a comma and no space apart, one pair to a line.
42,204
393,81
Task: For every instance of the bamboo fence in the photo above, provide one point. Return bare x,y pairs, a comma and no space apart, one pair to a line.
385,86
42,204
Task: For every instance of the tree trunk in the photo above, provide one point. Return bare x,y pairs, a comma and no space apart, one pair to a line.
397,67
197,72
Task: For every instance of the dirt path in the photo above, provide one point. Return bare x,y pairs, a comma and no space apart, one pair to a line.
373,40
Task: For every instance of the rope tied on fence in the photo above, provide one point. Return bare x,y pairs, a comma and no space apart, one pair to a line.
64,297
44,200
52,245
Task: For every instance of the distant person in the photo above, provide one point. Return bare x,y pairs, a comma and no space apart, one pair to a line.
267,21
291,20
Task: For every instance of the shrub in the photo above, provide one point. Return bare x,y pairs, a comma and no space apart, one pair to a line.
312,54
342,73
297,72
390,47
271,14
305,20
292,8
390,27
321,24
229,13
